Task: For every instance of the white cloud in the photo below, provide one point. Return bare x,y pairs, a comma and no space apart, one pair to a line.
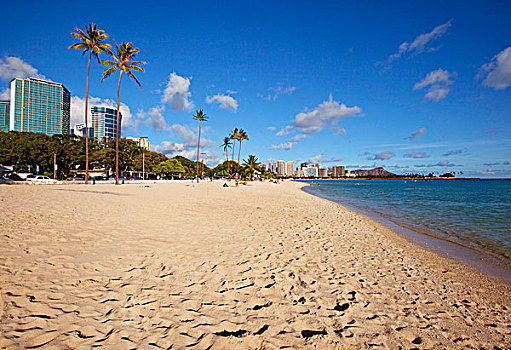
285,146
78,109
177,93
326,114
5,94
188,145
416,155
14,67
454,152
419,44
271,128
442,164
498,71
383,155
417,134
315,159
438,82
154,118
299,137
273,93
225,101
285,131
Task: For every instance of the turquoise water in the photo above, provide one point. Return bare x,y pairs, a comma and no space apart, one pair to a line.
475,213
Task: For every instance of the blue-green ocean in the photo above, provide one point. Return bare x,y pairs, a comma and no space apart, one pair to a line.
474,213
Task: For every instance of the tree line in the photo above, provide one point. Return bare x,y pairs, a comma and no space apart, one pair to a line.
27,151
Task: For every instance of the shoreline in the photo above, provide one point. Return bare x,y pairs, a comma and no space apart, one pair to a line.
488,264
199,265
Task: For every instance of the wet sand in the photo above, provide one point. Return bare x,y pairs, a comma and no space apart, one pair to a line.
197,265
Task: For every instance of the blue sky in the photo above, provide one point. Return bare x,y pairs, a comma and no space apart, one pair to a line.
410,86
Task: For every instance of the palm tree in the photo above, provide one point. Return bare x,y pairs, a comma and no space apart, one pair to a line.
242,136
251,165
226,145
200,116
122,61
234,136
92,40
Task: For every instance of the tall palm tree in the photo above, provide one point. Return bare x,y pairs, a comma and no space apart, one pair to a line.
242,136
234,136
201,117
123,62
226,145
92,40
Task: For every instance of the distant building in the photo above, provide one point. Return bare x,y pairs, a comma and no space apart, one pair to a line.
281,168
289,168
141,141
338,171
299,172
311,171
323,172
304,165
79,130
39,106
104,123
4,114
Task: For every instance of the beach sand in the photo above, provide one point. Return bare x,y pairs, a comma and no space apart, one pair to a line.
198,265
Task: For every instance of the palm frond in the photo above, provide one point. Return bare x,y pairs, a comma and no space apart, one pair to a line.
108,72
134,78
108,63
78,46
137,68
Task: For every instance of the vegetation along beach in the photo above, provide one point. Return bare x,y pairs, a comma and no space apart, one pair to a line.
255,175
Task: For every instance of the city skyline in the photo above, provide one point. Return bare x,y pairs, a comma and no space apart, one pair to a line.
416,87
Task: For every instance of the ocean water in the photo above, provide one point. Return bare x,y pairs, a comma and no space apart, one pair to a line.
473,213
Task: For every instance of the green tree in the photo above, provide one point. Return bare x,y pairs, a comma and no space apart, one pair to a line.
171,166
152,161
92,41
234,134
226,145
250,166
122,62
201,117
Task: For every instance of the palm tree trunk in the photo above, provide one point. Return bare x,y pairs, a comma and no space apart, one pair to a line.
117,133
232,158
86,124
198,146
239,152
227,159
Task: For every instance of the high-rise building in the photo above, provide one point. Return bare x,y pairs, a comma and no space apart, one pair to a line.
303,165
289,168
39,106
338,171
281,168
4,115
311,171
141,141
323,172
104,123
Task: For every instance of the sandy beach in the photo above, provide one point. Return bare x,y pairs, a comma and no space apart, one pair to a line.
265,266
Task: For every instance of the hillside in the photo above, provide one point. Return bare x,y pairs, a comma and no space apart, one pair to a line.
380,172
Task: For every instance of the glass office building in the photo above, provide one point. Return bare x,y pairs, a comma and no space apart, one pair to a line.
4,115
104,121
39,106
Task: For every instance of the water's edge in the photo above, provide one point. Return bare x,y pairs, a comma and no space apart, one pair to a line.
485,263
